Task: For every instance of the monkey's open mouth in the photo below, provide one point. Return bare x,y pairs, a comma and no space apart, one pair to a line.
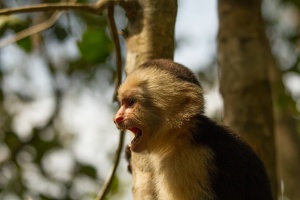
138,135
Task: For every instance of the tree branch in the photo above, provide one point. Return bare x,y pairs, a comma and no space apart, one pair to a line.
115,37
95,8
32,30
106,185
113,29
47,7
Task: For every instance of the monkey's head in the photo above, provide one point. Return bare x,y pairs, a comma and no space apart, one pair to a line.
158,101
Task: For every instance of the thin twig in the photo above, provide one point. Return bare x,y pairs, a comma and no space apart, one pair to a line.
115,37
113,29
32,30
106,185
95,8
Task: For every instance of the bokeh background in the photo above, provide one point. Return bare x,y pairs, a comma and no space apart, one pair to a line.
57,137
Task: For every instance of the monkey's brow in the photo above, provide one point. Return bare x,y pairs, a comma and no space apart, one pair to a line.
128,94
122,97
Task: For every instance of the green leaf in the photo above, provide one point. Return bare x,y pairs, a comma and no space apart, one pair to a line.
95,46
60,33
25,44
114,185
12,141
91,20
13,23
88,170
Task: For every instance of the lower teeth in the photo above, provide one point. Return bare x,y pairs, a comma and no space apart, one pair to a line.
137,137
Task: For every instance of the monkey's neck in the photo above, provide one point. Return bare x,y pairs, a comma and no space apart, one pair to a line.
179,166
171,143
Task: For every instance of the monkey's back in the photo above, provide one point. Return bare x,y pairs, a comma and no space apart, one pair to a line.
239,173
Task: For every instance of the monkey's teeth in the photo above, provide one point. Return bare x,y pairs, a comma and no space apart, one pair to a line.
138,133
137,136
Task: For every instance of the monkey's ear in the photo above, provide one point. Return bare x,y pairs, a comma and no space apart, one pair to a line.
191,105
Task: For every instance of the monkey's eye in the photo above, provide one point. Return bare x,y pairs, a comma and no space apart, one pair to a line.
131,101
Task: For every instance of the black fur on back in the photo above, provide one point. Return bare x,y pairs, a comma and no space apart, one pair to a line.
240,174
175,69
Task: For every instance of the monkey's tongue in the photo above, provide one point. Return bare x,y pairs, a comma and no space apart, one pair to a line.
138,133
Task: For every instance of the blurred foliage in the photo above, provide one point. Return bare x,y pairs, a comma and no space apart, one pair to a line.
283,27
25,170
12,23
293,37
294,2
24,160
25,44
91,39
60,32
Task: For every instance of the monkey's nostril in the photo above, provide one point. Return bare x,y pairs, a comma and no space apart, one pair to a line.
119,119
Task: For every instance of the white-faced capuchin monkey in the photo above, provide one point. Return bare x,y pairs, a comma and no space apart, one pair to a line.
193,158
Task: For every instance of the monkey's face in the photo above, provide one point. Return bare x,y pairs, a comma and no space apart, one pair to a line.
154,106
136,113
126,118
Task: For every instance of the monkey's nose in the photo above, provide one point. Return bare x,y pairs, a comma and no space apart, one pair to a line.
119,119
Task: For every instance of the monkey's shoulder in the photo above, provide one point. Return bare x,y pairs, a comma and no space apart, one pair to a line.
239,171
227,146
208,132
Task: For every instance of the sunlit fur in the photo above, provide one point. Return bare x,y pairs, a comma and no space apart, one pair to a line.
183,145
163,111
168,108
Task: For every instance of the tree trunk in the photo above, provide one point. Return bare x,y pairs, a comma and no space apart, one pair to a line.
149,35
244,84
287,140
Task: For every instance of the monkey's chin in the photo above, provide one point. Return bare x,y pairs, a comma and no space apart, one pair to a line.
137,144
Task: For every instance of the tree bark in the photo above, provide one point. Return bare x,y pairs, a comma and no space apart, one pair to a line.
244,84
149,35
287,140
